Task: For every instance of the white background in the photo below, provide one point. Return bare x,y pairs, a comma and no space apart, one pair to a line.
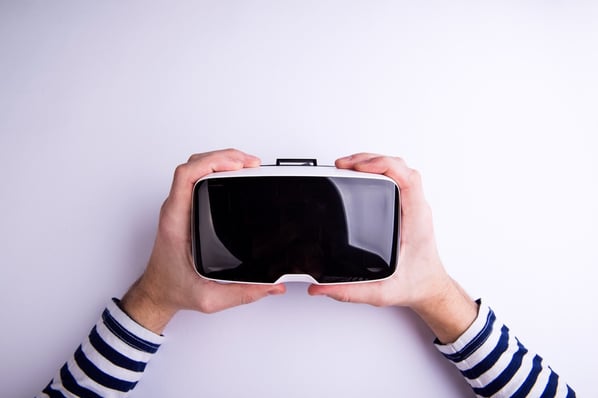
494,102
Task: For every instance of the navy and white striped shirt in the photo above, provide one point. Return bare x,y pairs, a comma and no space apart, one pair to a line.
112,359
496,364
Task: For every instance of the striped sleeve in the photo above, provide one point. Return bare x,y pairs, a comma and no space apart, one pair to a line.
496,364
110,362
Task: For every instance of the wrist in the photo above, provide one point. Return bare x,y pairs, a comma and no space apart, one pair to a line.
145,309
448,312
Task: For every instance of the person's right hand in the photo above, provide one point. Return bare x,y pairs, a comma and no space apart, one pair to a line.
169,282
420,282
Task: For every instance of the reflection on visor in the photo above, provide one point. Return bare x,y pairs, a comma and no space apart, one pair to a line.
335,229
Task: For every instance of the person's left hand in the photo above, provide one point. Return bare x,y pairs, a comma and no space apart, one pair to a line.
169,282
420,282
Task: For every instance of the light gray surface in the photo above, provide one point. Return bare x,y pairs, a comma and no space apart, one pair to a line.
495,104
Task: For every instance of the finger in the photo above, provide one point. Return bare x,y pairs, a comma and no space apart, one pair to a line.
393,167
199,166
223,296
231,152
348,162
368,293
408,180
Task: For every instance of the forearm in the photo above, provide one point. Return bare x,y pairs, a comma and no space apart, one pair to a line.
110,361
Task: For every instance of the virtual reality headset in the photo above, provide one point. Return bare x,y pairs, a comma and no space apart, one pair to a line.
295,223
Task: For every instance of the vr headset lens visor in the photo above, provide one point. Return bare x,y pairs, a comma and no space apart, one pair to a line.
334,229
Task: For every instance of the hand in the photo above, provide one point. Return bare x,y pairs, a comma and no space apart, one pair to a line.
421,281
169,282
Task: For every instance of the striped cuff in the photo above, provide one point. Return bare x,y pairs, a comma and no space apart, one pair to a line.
130,331
472,338
110,362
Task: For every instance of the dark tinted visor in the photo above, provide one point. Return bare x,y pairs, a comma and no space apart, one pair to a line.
257,229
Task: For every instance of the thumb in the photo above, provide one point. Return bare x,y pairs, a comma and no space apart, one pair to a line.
367,293
223,296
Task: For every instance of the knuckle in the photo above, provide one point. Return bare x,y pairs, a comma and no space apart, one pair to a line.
181,170
247,299
414,176
376,159
400,161
231,152
163,208
195,156
206,305
207,309
385,300
426,213
365,155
